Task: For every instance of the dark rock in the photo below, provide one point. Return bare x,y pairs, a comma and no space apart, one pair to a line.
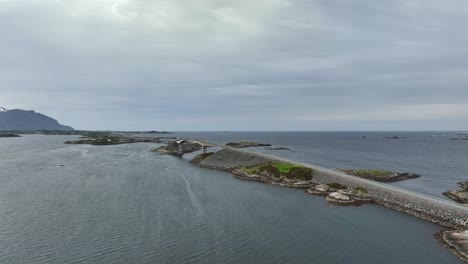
9,135
278,148
394,137
460,196
463,185
381,175
246,144
339,198
321,190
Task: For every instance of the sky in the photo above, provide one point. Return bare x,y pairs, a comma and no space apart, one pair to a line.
238,65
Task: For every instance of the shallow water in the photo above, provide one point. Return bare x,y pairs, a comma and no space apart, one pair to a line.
125,204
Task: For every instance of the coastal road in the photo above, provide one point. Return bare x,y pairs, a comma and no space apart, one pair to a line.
383,186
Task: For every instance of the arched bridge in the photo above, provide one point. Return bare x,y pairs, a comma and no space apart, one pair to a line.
204,145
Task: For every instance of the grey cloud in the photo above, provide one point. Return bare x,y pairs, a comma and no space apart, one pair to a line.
243,65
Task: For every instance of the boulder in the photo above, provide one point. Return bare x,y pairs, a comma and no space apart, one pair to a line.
321,189
460,196
340,199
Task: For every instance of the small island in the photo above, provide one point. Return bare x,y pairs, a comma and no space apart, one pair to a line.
291,176
99,139
381,175
246,144
9,135
464,137
459,196
277,148
394,137
282,174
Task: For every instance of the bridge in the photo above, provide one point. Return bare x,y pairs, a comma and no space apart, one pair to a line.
204,145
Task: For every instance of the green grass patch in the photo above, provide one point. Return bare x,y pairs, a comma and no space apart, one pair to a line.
285,167
361,189
370,173
336,185
287,170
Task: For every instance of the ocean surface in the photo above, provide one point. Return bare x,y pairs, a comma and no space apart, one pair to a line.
125,204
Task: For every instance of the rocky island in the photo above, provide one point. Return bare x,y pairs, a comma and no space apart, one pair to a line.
459,196
283,174
277,148
9,135
381,175
464,137
394,137
100,139
246,144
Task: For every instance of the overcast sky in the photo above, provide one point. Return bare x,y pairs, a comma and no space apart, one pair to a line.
238,65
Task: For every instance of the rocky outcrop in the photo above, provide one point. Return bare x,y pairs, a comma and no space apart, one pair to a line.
342,195
381,175
456,241
278,148
463,185
394,137
9,135
112,139
459,196
464,137
246,144
340,199
320,190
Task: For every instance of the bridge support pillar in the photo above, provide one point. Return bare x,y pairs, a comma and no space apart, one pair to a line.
180,149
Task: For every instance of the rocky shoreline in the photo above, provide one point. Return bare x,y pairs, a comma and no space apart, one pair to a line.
381,175
266,171
112,139
455,241
459,196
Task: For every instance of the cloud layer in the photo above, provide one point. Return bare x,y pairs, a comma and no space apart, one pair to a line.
238,65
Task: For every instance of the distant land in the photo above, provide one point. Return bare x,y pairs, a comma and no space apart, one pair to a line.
18,119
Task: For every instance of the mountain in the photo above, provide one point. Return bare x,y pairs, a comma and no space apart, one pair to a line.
18,119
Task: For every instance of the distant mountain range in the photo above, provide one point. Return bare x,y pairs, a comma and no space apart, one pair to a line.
18,119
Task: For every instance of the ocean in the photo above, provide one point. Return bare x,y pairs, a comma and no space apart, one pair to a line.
126,204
